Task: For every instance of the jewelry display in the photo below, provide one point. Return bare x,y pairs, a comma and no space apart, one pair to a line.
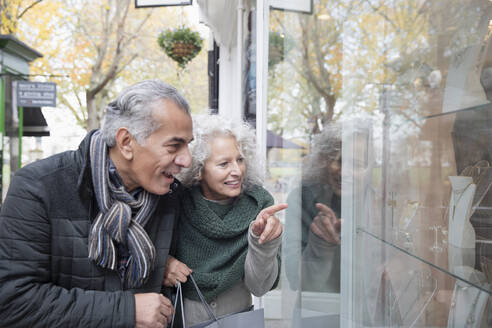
482,177
444,232
426,303
413,299
468,303
412,290
408,214
486,265
436,248
407,241
459,257
405,229
461,232
404,291
485,258
457,197
463,88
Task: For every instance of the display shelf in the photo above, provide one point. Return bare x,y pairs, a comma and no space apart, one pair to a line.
426,260
462,110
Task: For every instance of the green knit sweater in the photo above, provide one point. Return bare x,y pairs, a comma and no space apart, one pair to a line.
214,245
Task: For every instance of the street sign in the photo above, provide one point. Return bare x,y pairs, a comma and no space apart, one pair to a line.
301,6
161,3
36,94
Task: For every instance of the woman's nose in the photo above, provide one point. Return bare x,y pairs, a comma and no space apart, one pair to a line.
236,169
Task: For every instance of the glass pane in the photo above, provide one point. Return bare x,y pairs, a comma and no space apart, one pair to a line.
304,164
379,114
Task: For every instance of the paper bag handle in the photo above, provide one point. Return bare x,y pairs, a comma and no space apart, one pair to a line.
179,294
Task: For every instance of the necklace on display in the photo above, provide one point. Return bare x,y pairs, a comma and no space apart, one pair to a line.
429,299
459,192
404,291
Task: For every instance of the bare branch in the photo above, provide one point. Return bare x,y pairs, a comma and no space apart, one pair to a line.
118,54
102,48
79,101
382,14
88,35
75,112
411,119
137,31
125,65
28,7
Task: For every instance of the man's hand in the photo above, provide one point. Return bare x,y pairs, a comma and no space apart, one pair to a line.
266,225
176,271
326,225
152,310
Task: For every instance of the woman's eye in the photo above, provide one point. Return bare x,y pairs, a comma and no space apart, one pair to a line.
223,164
240,160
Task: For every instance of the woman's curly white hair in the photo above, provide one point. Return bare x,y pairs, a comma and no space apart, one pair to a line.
205,129
325,147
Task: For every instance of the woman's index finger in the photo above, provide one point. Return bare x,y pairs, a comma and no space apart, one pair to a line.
325,209
271,210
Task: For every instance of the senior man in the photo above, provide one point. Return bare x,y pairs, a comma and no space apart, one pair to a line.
84,235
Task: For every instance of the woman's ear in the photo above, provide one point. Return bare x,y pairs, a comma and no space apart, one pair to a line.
124,143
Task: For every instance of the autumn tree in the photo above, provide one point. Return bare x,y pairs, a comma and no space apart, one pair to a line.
11,11
316,59
347,53
113,49
95,48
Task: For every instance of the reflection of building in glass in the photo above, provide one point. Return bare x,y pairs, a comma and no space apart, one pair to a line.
421,72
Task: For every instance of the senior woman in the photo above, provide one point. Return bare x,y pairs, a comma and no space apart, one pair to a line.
227,234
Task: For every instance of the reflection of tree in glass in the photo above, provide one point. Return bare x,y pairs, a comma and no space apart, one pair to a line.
278,46
398,47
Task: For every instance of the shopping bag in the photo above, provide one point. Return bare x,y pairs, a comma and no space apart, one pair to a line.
315,320
247,319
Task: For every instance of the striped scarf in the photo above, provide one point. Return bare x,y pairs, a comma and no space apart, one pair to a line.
116,224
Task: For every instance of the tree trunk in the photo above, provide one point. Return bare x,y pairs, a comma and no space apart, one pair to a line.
92,121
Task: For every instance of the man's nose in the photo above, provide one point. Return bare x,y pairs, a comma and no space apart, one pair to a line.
183,159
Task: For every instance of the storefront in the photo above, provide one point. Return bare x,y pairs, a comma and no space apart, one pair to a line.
16,122
389,106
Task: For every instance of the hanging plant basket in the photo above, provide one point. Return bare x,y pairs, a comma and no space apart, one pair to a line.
279,46
181,45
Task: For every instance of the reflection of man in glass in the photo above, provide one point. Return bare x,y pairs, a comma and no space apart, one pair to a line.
312,243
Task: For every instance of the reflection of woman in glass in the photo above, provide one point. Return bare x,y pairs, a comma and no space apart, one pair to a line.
313,219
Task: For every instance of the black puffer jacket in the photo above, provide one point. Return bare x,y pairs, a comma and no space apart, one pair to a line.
46,278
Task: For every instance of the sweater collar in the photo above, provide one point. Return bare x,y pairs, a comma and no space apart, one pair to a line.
235,222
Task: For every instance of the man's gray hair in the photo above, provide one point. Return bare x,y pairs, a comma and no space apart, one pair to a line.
133,109
208,127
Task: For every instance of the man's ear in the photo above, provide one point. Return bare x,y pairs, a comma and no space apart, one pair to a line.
124,143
